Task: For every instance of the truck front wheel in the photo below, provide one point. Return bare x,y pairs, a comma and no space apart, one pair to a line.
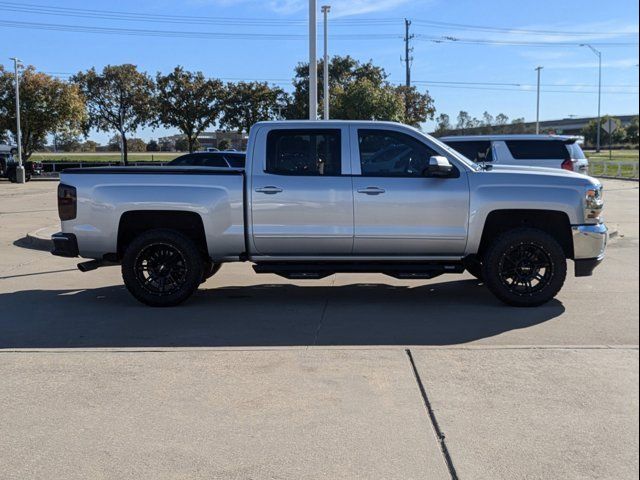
525,267
162,268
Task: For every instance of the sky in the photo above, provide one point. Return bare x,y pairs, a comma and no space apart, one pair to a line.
470,55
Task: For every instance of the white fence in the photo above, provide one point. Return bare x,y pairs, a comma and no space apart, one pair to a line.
616,169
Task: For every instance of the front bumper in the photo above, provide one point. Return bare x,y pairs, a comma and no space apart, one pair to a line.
65,245
589,244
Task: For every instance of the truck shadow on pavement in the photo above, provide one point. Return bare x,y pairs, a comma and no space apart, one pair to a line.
445,313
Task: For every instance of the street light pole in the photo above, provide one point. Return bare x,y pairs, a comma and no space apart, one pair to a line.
599,55
313,63
325,70
20,177
538,103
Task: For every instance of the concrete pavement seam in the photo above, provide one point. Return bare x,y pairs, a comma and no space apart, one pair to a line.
432,417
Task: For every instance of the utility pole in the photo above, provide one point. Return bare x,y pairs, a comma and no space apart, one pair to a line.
20,177
325,71
407,60
313,63
599,55
538,103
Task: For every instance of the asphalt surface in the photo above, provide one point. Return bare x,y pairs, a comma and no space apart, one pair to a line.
352,376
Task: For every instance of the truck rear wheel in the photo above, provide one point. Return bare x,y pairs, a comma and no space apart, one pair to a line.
162,268
525,267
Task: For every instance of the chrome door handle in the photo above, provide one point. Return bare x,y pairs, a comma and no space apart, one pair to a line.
270,190
371,190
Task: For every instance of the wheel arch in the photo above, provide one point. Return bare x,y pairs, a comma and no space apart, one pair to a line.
134,222
555,223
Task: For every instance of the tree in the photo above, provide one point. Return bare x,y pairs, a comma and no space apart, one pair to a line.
153,146
137,145
47,105
364,101
443,125
419,107
348,76
182,144
67,142
114,143
517,126
224,144
501,119
89,146
189,102
590,132
119,98
463,121
632,131
251,102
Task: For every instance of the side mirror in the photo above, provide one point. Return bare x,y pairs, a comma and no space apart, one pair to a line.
439,167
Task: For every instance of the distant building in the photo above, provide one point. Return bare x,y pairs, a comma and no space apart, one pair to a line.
237,141
565,126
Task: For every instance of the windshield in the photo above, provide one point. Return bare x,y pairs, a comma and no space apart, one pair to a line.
575,151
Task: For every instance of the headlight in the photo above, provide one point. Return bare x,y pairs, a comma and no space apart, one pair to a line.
593,202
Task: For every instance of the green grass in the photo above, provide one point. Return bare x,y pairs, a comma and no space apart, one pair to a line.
616,155
103,157
626,171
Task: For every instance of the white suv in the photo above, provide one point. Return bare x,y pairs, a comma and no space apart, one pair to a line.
552,151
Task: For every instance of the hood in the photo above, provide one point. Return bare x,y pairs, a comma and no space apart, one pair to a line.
557,173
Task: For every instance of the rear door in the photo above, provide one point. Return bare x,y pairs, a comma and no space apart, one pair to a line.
397,210
301,195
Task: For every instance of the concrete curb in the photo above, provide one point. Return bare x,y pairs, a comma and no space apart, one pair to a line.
40,239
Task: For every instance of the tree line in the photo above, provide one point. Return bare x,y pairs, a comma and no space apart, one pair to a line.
501,124
122,99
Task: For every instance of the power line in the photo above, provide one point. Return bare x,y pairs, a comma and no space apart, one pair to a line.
184,34
481,41
349,21
486,28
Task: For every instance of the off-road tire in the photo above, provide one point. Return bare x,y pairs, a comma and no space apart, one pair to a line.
524,256
161,256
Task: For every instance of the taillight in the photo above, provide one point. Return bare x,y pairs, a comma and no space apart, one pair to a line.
67,202
567,165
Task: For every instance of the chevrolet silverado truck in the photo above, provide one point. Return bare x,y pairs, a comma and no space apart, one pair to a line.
322,197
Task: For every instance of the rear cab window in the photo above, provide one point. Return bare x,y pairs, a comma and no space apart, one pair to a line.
305,152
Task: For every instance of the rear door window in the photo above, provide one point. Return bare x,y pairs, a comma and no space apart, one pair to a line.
304,152
476,151
538,149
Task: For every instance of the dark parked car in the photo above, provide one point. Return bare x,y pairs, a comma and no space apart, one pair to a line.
8,164
226,159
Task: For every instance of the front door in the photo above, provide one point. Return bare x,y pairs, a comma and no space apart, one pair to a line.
397,210
301,191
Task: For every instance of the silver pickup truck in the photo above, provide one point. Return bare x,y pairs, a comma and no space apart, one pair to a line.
318,198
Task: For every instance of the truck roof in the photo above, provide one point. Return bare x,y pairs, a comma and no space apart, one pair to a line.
529,136
325,123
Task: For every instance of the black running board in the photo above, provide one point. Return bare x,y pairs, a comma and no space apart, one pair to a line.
401,270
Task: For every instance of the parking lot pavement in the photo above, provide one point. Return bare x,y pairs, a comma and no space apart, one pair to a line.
203,414
535,413
260,377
